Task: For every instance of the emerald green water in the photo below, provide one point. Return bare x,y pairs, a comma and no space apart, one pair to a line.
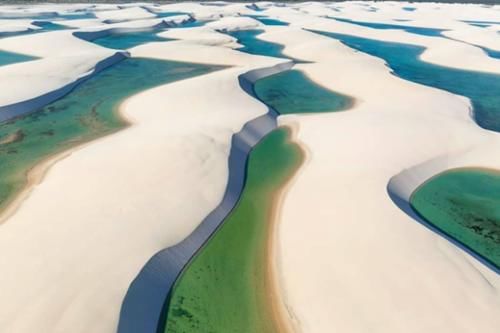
7,58
465,204
224,288
85,114
292,92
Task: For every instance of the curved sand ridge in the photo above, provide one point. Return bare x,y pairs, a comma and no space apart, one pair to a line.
438,50
145,299
200,151
373,268
57,73
359,263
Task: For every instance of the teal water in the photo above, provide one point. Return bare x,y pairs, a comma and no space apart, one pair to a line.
7,58
123,41
410,9
86,113
253,45
385,26
482,88
268,21
480,25
49,26
481,22
167,14
292,92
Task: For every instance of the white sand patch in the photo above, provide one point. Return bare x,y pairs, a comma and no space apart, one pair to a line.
235,23
200,35
131,13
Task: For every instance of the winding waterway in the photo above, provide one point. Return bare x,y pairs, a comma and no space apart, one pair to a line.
88,112
404,60
226,287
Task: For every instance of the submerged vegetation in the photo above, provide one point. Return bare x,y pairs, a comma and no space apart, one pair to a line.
465,204
88,112
225,288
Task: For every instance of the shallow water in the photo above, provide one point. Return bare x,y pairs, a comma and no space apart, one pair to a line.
253,45
224,288
167,14
269,21
292,92
123,41
482,88
465,204
88,112
7,58
386,26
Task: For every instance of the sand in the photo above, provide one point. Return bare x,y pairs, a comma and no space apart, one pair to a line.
348,258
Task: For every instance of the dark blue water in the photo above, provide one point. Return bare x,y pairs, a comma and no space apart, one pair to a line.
415,30
123,41
253,45
7,58
483,89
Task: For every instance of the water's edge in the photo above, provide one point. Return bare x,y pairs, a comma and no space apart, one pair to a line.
143,305
11,111
403,185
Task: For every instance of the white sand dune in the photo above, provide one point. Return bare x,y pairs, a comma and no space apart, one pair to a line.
50,77
173,134
437,49
8,26
132,13
350,260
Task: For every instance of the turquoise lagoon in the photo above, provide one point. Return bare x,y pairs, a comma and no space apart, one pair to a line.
482,88
124,41
7,58
292,92
88,112
253,45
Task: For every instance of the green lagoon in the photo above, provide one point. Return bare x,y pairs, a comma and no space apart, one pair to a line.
225,287
88,112
465,204
292,92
